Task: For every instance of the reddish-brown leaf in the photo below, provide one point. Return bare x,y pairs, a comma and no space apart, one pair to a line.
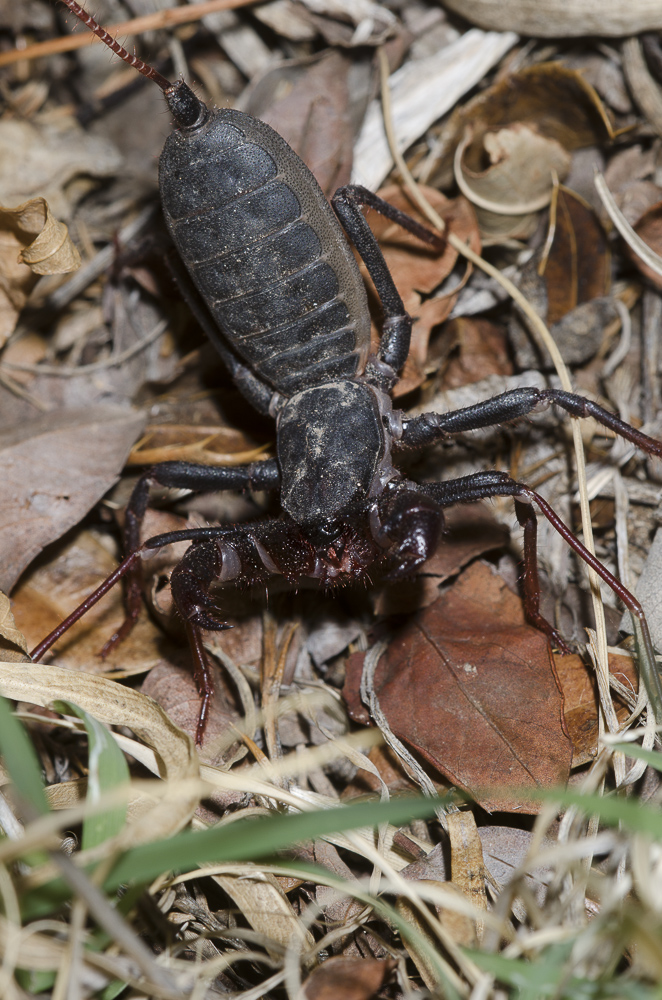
649,227
482,350
580,700
470,686
348,978
418,270
578,266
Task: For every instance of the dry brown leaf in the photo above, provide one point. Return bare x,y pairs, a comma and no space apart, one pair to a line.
32,242
486,709
418,270
577,267
558,18
55,468
518,181
649,228
43,159
192,443
554,101
116,705
51,590
313,119
482,350
344,978
580,700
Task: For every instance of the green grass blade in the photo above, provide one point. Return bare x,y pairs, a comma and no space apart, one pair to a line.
21,760
107,769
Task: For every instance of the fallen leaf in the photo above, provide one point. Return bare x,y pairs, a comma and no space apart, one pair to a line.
518,181
55,468
343,978
13,644
558,19
577,267
32,242
313,119
262,902
555,101
50,590
192,443
418,270
580,700
173,688
480,350
43,160
468,685
649,228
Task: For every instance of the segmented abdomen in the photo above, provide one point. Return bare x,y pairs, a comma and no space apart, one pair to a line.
266,252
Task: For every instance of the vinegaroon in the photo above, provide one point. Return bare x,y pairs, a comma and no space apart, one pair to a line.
275,284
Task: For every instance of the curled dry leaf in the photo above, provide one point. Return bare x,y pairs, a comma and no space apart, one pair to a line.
558,18
418,270
32,242
518,182
13,644
115,705
344,978
55,469
555,102
471,687
192,443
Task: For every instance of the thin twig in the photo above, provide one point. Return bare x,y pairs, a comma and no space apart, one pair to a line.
169,18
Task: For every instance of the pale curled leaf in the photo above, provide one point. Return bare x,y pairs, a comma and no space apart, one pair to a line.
46,246
519,178
635,242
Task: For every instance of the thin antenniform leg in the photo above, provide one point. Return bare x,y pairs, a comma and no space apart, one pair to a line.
483,485
88,603
430,427
203,676
113,44
396,330
263,475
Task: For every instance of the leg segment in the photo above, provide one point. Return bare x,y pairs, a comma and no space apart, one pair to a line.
410,525
396,333
180,475
483,485
430,427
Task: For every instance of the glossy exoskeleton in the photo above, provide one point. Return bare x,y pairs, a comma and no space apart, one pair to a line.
278,290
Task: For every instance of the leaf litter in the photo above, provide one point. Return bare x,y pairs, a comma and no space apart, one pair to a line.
465,684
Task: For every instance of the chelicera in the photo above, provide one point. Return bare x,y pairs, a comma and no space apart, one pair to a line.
273,280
